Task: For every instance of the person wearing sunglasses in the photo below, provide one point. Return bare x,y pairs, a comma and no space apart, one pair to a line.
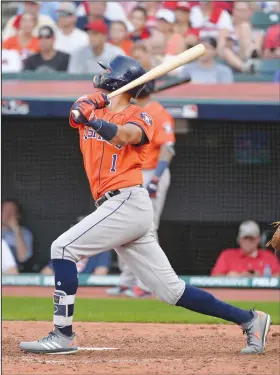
48,59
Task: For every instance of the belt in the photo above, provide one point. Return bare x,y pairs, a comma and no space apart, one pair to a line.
109,194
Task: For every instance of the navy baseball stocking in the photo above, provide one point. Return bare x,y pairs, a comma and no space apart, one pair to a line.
198,300
66,285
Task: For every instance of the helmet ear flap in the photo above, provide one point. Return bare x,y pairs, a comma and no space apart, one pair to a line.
96,80
141,88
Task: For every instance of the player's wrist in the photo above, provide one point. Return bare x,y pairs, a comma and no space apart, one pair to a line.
155,179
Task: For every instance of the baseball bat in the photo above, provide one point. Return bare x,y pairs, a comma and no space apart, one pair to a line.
160,70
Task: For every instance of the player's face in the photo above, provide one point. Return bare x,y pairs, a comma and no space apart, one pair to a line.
46,43
118,32
96,39
138,20
27,22
9,210
249,244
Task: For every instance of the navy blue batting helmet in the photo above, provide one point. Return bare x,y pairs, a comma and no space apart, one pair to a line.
147,90
120,71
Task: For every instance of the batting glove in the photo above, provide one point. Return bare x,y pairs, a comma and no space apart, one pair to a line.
99,100
153,187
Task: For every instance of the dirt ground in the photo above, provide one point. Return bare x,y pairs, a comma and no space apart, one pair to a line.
165,349
141,349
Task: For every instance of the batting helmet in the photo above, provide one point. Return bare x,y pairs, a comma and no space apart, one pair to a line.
147,90
120,71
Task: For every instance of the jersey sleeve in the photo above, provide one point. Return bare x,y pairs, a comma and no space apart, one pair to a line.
145,122
165,130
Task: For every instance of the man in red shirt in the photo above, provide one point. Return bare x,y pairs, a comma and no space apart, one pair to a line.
248,260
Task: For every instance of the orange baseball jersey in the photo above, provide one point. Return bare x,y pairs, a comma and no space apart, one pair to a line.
163,132
110,167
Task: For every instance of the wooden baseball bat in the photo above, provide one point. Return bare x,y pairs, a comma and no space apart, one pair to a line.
160,70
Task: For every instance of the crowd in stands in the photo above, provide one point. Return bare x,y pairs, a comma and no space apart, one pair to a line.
73,36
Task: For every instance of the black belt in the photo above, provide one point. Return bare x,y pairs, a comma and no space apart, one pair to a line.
108,195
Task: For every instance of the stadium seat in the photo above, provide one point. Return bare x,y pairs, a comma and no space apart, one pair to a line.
261,20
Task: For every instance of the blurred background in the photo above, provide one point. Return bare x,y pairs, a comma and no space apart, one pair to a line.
226,169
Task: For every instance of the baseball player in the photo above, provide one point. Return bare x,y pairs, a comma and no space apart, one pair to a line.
156,177
114,140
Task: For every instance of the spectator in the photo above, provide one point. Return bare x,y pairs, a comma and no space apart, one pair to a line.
11,61
12,26
68,37
118,36
156,45
9,266
152,7
18,238
183,24
206,69
85,60
165,24
89,12
243,46
48,59
96,265
47,8
210,19
24,42
272,42
248,260
138,18
141,53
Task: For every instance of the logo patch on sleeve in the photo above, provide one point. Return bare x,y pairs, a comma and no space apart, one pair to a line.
147,118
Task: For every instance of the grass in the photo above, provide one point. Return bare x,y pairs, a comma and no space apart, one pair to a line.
119,310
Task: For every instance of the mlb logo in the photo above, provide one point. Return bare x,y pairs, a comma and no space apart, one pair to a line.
147,118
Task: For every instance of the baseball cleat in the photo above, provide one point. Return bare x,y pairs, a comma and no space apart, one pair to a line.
117,291
54,343
256,330
137,292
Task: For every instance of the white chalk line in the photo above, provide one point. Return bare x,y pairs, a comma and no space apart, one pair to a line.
82,348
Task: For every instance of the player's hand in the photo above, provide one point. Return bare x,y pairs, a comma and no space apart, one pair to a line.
99,99
86,109
153,187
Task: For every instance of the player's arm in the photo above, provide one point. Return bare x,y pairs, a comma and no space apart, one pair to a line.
130,133
167,153
165,137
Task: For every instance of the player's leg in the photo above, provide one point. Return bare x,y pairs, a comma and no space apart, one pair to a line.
141,290
148,261
127,280
119,220
159,201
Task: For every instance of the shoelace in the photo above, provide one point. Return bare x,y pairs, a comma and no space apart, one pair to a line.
249,334
49,337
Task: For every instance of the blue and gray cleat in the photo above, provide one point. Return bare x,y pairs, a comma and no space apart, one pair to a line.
54,343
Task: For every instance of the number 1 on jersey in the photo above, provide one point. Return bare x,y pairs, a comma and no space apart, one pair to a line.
114,163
